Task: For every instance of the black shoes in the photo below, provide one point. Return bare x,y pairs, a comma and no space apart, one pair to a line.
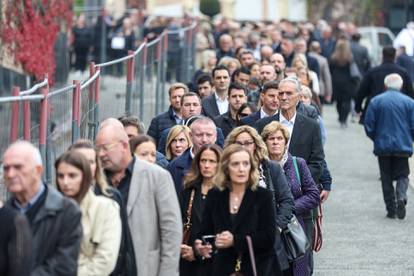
401,209
391,215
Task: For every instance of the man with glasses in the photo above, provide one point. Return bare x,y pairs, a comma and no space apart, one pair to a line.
148,192
203,132
270,104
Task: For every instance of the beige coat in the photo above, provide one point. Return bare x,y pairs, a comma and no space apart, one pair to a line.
102,231
154,218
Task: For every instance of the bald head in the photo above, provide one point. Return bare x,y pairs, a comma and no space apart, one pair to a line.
112,145
393,81
22,166
203,132
278,62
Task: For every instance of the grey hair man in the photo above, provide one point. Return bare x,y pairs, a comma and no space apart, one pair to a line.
389,123
54,219
149,195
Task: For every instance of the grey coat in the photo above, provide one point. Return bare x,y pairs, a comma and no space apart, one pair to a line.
154,219
325,80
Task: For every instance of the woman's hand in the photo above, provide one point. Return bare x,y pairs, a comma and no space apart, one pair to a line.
224,239
187,253
203,250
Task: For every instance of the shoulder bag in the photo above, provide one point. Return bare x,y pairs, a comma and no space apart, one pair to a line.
293,237
237,268
187,224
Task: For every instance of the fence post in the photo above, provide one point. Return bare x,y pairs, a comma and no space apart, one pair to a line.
14,128
141,80
96,103
43,132
91,104
130,77
76,111
26,120
158,79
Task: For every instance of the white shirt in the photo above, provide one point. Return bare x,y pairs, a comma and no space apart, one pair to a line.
223,105
263,114
288,124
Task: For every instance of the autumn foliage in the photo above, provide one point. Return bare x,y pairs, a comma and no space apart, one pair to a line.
30,29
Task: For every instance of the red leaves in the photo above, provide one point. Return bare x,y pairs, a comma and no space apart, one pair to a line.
31,31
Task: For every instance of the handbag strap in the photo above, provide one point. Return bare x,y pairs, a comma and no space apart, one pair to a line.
318,240
251,254
295,164
190,207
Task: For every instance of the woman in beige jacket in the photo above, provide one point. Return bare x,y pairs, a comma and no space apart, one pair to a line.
101,221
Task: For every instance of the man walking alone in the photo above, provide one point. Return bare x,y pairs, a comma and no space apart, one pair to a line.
389,122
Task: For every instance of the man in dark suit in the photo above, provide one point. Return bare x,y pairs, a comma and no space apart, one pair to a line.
306,140
217,103
373,82
203,132
360,54
270,104
237,96
170,117
405,61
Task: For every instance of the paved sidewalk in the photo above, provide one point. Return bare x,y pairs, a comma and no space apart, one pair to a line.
358,239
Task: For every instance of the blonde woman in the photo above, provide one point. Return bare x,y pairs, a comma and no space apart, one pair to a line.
271,177
232,64
344,84
303,188
238,208
178,141
126,259
208,62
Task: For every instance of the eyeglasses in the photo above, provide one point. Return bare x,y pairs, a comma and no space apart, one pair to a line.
245,143
107,147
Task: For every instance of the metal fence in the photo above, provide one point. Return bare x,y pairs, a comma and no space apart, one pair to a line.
133,85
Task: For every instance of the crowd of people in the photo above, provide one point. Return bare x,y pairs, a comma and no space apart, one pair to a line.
218,175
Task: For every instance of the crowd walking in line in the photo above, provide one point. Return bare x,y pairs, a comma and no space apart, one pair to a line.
230,180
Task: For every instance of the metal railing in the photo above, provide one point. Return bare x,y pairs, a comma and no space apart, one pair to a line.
132,85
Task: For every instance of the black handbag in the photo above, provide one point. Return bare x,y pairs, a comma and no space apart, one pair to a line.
294,240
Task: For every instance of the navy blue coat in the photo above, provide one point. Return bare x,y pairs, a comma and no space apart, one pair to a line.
251,119
160,122
178,168
389,122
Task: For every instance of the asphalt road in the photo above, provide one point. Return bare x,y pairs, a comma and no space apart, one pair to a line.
358,239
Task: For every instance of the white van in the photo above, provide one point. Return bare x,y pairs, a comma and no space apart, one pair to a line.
375,38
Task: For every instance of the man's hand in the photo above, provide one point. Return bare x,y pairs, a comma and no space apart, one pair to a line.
324,195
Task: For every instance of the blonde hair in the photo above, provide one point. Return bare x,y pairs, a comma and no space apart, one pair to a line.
100,179
176,86
274,127
205,56
302,59
261,150
172,134
222,179
226,61
342,53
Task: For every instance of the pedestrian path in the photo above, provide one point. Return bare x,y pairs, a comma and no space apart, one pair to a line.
358,239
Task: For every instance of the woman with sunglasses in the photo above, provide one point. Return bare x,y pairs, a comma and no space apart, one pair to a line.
272,178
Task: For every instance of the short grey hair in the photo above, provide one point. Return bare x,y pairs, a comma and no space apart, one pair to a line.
37,157
293,80
393,81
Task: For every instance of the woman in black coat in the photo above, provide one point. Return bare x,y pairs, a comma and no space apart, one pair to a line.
197,183
236,209
272,178
344,84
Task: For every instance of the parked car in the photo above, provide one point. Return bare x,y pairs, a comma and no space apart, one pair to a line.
375,38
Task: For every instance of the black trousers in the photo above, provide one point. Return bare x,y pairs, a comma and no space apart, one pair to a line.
343,106
394,168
